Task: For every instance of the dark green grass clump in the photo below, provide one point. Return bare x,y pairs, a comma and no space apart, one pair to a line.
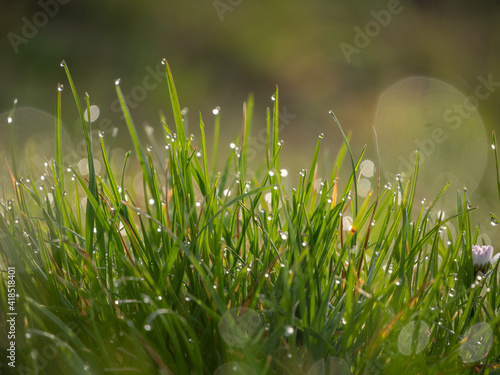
186,278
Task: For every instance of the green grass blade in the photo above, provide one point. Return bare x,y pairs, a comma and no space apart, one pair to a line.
179,124
352,163
58,142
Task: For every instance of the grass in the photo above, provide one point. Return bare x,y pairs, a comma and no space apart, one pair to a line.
186,278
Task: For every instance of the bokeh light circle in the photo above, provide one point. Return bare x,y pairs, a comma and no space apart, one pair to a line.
330,366
413,338
29,134
240,326
94,113
234,368
478,342
428,114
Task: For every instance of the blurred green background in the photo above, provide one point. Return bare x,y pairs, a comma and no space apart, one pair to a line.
403,67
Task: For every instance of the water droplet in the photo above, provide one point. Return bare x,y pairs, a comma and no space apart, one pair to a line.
271,173
303,172
452,293
151,201
147,327
216,110
164,62
9,120
232,145
321,136
494,221
60,87
493,146
304,243
289,331
117,81
226,192
284,235
398,177
101,134
149,148
273,97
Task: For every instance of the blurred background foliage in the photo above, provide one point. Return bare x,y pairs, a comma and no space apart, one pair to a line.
222,50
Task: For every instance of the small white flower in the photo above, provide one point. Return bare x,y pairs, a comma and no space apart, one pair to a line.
482,257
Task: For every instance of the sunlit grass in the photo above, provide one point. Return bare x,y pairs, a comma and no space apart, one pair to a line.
218,272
